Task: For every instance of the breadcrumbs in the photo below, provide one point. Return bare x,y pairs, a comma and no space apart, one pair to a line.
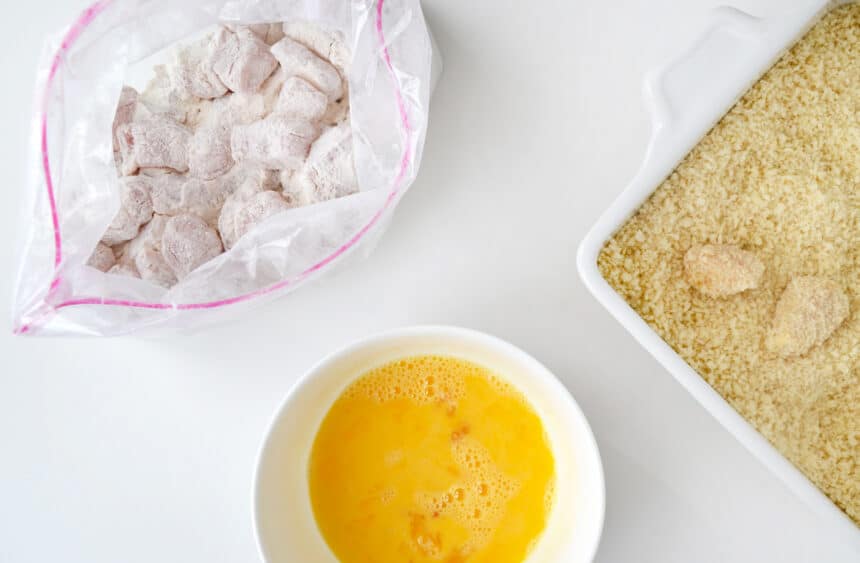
778,177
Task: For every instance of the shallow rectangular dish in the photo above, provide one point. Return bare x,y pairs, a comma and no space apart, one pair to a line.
686,98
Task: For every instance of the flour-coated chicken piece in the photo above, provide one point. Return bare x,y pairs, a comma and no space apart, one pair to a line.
331,46
329,172
243,172
125,112
102,258
338,111
256,210
192,72
152,267
276,142
249,206
271,89
135,210
166,193
239,108
809,312
300,99
722,270
234,204
328,44
164,96
157,142
174,194
298,60
209,153
127,269
291,187
144,252
241,60
270,33
149,237
188,243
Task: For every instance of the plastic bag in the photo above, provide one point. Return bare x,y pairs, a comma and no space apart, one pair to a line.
75,188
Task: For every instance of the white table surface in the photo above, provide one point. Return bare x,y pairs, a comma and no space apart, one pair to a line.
132,450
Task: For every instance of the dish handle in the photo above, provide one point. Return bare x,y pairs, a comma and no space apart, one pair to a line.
686,97
702,84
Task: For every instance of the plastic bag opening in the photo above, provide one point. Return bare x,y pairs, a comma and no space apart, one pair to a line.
76,189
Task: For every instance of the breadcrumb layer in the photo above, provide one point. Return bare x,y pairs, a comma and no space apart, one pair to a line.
778,176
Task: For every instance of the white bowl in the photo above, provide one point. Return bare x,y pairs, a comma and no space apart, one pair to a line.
284,521
686,98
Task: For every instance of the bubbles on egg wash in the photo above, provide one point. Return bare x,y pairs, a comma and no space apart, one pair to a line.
478,502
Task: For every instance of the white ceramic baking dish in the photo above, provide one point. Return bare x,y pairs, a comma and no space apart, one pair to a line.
686,98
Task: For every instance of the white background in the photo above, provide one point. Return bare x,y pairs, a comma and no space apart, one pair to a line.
128,450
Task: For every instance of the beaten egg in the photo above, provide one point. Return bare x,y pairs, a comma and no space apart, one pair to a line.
430,459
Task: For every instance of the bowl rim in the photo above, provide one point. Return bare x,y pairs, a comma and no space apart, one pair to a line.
534,368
